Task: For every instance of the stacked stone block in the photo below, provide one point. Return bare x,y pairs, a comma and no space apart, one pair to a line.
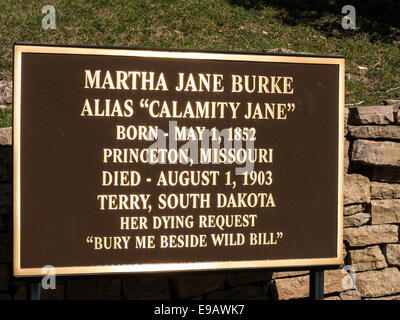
372,200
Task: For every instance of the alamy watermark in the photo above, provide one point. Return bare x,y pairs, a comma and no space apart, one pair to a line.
349,20
49,20
233,145
349,280
49,279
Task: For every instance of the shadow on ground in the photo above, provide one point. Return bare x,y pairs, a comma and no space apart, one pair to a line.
379,18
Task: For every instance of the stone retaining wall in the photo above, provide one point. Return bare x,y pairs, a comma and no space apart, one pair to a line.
372,199
371,232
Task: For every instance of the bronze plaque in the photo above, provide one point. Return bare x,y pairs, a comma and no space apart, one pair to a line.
134,160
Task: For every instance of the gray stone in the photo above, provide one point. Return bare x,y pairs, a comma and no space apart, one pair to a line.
375,132
333,281
356,220
350,295
376,153
381,190
371,115
344,252
5,92
240,293
369,235
396,109
369,258
372,284
298,287
352,209
356,189
146,288
391,101
288,274
6,136
346,115
346,164
392,252
286,50
292,288
385,211
332,298
346,156
395,297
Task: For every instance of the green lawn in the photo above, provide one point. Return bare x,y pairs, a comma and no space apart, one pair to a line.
372,62
5,118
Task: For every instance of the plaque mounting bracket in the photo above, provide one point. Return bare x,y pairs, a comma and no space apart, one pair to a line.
35,289
317,284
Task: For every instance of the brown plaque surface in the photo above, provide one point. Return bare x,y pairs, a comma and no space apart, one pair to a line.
87,122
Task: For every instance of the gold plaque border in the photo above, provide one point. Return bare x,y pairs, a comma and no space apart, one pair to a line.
19,49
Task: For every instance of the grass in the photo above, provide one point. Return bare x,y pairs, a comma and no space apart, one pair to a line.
209,24
5,117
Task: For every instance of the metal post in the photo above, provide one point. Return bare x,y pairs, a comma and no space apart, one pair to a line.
317,284
35,290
